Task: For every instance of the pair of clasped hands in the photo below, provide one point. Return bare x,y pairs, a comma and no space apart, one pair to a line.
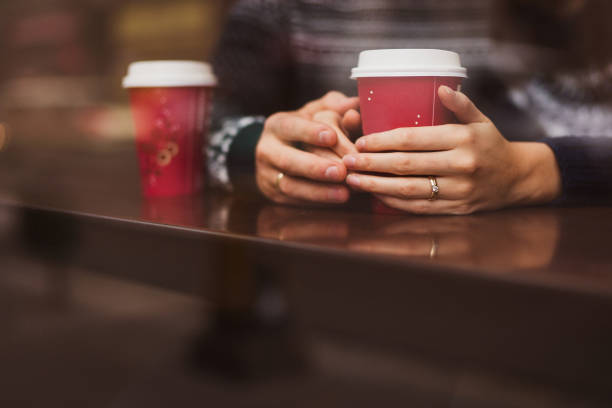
475,166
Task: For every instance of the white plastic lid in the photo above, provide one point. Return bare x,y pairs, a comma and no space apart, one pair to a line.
148,74
408,62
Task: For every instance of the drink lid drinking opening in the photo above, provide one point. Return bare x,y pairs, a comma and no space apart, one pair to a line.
148,74
408,62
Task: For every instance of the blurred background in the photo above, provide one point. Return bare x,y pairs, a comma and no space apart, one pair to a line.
62,60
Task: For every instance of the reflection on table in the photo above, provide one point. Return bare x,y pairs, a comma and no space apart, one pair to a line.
520,239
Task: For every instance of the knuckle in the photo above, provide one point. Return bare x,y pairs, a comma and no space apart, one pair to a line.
333,95
260,154
364,162
467,189
283,162
286,125
404,136
368,183
468,165
404,165
407,190
326,115
314,170
319,116
369,164
370,142
273,119
469,136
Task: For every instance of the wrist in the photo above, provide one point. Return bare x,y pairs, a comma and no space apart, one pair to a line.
538,180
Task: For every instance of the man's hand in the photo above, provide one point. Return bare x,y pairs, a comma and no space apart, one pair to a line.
315,174
475,166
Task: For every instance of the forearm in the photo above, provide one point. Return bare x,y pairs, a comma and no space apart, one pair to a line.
537,176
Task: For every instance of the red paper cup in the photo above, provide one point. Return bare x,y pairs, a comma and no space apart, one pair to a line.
399,88
170,102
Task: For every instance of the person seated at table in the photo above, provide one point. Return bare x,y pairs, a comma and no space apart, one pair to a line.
546,137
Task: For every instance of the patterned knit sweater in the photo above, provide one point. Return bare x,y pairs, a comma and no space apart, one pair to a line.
276,55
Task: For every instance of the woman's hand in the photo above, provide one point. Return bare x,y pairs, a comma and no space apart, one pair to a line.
315,176
475,166
344,145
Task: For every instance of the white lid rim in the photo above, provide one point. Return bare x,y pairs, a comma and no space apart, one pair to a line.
408,62
169,73
395,74
448,70
168,83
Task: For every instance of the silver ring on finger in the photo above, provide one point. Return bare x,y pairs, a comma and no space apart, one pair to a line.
277,181
435,190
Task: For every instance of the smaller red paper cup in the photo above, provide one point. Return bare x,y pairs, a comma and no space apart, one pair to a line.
170,103
399,88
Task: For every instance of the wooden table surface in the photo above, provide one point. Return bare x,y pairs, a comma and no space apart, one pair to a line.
510,308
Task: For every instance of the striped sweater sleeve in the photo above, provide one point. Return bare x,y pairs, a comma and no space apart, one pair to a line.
237,137
585,164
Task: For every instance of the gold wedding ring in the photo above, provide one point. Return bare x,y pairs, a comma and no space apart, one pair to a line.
434,188
277,180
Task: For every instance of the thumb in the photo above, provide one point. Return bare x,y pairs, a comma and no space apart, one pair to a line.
351,121
333,100
340,103
463,108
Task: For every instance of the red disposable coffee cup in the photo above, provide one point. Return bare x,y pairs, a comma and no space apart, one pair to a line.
170,102
399,88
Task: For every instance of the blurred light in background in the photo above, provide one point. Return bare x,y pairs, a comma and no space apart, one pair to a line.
62,60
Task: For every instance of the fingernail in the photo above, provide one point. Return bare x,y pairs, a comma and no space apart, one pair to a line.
448,90
326,137
336,194
353,180
361,144
332,173
349,161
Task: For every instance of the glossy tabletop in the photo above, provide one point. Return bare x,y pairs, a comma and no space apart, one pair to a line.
524,292
566,247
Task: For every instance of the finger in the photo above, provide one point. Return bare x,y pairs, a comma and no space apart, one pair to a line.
292,128
298,163
409,164
268,187
343,145
351,121
420,206
463,108
407,187
325,153
304,190
425,138
333,100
